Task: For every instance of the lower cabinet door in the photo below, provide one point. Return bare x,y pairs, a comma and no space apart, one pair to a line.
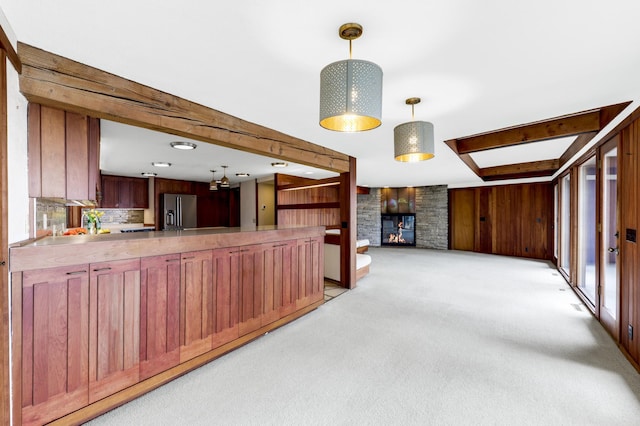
250,281
225,296
114,327
310,271
55,333
280,279
196,304
316,263
159,314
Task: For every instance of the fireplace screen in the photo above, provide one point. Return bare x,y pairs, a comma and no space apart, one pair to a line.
398,229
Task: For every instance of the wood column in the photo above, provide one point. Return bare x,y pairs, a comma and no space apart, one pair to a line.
7,53
5,402
348,219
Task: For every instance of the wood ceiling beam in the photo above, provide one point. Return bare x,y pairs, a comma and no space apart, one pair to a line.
520,170
466,158
52,80
569,125
580,142
585,125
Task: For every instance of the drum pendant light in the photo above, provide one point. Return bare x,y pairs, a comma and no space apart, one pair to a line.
351,91
413,141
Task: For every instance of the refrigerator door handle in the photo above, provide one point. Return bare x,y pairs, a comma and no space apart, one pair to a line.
179,204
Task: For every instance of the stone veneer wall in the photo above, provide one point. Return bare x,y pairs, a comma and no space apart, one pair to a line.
369,222
432,217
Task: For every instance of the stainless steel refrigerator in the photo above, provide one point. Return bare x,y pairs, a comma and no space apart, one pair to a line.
180,211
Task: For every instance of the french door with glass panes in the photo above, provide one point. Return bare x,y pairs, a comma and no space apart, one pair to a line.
609,289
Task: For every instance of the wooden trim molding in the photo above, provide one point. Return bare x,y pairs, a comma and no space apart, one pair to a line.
585,125
53,80
6,45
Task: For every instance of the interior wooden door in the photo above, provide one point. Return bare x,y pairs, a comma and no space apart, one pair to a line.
114,327
462,214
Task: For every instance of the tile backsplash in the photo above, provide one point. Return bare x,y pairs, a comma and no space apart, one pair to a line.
51,216
118,216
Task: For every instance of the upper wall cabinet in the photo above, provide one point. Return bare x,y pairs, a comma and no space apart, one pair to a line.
125,192
64,154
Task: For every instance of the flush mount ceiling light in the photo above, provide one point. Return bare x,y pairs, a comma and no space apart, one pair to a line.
183,145
351,90
242,174
413,141
161,164
213,185
279,164
149,174
224,182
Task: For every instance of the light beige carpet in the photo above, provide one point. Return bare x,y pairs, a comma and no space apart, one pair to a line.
427,338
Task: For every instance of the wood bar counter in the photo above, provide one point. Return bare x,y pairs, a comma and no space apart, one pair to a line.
98,320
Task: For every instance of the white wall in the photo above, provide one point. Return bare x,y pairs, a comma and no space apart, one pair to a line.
248,203
266,203
18,180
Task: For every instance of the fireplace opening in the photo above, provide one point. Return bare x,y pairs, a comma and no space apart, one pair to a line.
398,229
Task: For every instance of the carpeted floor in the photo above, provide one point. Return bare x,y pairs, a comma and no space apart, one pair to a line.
427,338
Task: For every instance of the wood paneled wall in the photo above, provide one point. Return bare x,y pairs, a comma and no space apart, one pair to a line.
629,175
511,220
302,201
327,202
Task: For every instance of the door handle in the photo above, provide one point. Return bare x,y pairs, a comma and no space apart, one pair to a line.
615,250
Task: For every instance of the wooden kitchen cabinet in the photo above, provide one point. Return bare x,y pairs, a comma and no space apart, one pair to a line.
196,303
310,271
87,337
55,340
280,279
225,297
63,154
124,192
248,276
159,314
114,326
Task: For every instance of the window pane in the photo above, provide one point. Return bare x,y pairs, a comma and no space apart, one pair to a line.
587,230
565,225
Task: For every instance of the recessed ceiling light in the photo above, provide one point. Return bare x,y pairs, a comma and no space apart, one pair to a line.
242,174
149,174
161,164
279,164
183,145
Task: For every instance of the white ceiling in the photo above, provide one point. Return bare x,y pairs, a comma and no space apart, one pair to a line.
478,66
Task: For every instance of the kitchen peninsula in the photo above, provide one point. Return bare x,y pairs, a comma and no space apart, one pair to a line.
98,320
